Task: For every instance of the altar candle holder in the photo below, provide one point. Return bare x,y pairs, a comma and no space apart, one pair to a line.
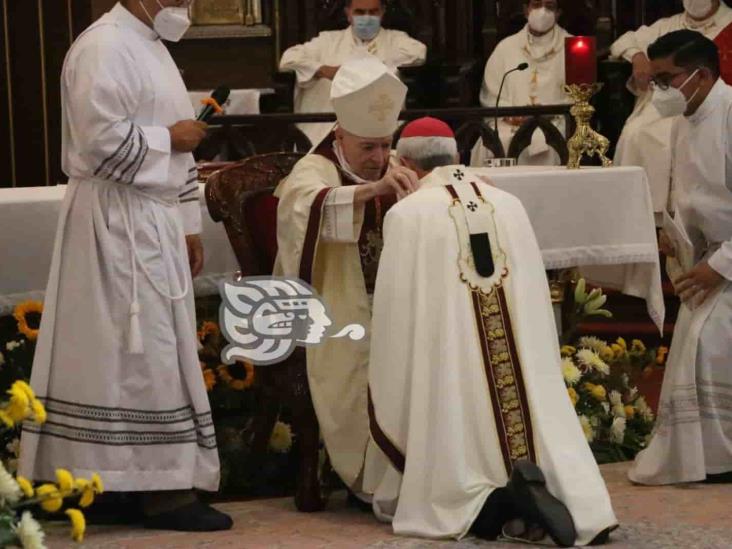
581,84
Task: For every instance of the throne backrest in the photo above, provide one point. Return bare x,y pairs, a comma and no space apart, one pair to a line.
240,196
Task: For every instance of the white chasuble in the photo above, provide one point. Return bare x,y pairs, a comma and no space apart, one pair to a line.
116,361
464,373
541,84
394,48
693,433
645,140
340,263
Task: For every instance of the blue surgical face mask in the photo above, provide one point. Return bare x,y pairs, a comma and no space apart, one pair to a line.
366,27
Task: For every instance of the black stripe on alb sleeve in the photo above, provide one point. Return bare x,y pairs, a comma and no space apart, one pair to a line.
122,152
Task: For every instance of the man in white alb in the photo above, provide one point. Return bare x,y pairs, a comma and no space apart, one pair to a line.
117,361
468,407
645,140
316,62
692,440
540,44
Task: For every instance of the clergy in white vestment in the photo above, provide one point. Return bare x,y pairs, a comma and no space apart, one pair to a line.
540,44
116,362
317,62
467,402
692,440
645,140
329,219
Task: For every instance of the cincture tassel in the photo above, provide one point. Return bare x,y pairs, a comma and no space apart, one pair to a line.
134,336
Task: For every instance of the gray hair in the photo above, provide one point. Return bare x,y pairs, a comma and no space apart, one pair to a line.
429,153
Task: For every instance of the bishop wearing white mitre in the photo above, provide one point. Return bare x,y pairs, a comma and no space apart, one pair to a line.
317,62
465,382
646,137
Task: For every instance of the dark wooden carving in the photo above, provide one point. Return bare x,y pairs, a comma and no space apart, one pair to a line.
227,193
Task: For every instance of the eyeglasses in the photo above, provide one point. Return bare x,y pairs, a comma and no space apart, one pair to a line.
664,83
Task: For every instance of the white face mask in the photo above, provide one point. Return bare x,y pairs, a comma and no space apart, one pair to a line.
541,20
698,8
671,102
170,23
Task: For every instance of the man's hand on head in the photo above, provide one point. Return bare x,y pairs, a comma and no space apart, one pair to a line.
399,180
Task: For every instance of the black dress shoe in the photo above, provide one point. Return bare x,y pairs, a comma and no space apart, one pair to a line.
537,506
193,517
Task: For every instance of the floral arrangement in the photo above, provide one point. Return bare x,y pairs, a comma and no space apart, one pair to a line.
614,416
18,495
235,401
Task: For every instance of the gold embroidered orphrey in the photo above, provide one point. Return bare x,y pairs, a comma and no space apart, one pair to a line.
502,366
381,107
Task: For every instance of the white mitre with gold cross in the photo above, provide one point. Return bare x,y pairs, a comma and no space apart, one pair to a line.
367,97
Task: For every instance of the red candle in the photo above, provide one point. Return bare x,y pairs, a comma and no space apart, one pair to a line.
580,60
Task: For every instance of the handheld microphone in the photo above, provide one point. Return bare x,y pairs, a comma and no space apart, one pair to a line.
520,67
220,95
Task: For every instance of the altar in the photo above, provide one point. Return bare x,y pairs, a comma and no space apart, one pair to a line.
597,219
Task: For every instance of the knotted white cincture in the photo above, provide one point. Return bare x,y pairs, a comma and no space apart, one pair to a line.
134,335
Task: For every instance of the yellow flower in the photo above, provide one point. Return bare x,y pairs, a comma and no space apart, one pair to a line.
19,406
65,481
587,428
637,346
607,354
570,372
25,314
281,439
39,411
237,384
25,486
208,328
27,389
568,350
78,524
573,396
618,351
87,491
599,392
661,355
6,419
97,484
620,341
50,498
629,412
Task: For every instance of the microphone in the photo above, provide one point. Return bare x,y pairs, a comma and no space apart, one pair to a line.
219,96
520,67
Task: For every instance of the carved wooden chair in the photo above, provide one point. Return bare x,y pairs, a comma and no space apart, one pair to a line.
240,196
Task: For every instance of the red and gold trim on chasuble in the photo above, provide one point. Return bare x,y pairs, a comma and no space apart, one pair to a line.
502,366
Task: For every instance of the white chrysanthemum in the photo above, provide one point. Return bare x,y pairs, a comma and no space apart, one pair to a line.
592,361
29,532
12,345
9,489
625,379
619,410
615,398
643,409
570,372
617,430
632,394
592,342
281,439
605,407
587,428
13,447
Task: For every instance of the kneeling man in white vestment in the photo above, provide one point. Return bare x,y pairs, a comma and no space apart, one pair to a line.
117,361
692,440
468,408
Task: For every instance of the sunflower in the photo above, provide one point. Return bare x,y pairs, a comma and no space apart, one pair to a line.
28,315
209,378
231,375
208,328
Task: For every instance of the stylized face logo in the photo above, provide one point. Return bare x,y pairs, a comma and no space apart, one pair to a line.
264,319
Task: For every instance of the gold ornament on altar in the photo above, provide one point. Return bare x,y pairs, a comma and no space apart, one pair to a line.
226,12
585,140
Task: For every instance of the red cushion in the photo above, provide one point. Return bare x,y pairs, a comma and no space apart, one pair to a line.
260,214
